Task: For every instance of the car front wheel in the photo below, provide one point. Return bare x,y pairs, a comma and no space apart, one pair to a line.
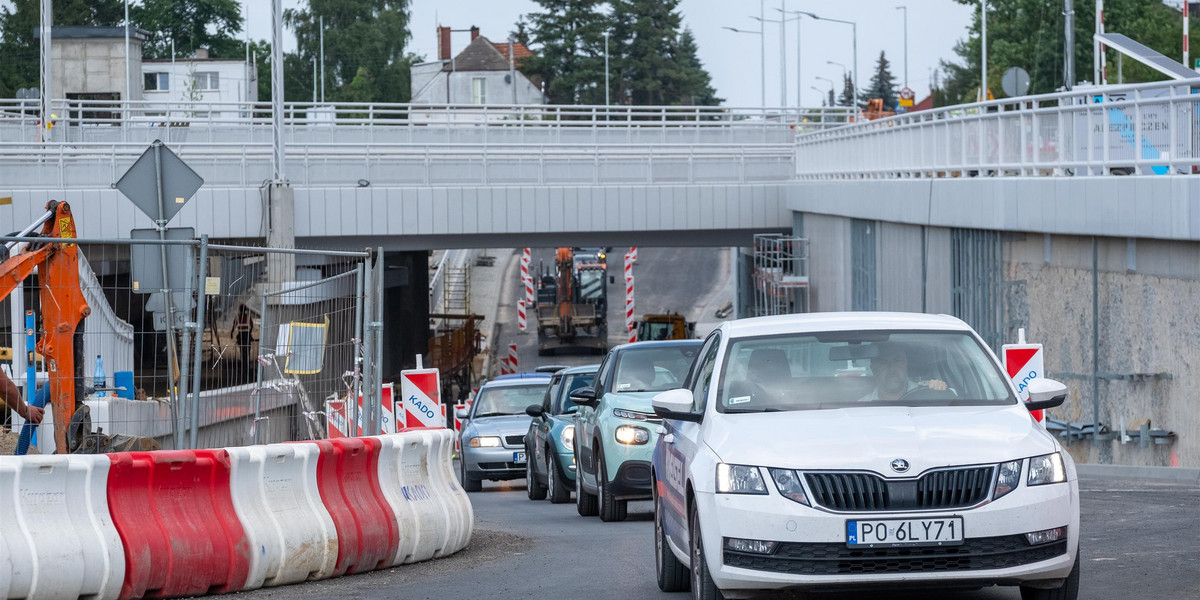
469,484
1068,591
611,509
672,575
703,587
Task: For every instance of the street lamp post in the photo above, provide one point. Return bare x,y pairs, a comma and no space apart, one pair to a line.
763,68
983,23
854,36
782,55
606,87
905,9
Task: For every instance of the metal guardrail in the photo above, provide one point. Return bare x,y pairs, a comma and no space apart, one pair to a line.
1112,130
76,166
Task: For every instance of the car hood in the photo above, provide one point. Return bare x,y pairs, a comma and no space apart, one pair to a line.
870,438
506,425
634,401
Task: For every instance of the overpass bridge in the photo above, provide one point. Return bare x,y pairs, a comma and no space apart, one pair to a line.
1072,215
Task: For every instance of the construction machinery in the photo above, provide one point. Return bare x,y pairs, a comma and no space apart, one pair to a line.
668,326
572,307
63,308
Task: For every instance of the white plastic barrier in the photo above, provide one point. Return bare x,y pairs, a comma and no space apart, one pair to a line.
58,540
458,505
404,478
290,533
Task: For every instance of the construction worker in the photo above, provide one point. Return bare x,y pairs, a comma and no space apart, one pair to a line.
11,394
242,326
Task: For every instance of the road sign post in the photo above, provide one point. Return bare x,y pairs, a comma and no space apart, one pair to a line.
158,174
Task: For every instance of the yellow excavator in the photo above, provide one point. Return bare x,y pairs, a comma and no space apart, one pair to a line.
668,326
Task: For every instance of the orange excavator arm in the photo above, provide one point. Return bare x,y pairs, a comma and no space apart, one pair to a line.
63,307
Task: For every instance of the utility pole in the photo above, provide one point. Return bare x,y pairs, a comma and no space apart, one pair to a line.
1099,61
983,87
762,14
322,59
606,86
1186,10
782,55
799,80
281,232
1069,44
905,9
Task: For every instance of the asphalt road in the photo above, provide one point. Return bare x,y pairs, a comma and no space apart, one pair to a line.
1139,541
691,281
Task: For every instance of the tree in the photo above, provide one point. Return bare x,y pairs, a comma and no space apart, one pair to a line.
847,96
19,50
568,52
364,40
1029,34
521,33
192,24
697,87
883,84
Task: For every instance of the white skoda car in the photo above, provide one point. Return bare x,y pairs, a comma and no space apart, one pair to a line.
859,451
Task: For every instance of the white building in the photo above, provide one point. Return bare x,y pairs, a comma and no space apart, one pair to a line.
223,83
481,75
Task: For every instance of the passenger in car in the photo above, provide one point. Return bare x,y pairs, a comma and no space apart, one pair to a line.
890,369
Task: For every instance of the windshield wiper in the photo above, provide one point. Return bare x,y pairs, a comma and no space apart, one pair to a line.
494,414
752,410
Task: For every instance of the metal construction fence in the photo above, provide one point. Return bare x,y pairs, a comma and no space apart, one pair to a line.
1151,129
226,353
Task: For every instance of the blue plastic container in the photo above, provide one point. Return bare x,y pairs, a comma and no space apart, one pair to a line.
124,379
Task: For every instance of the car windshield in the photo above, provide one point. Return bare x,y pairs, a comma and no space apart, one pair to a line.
654,369
859,368
562,401
508,399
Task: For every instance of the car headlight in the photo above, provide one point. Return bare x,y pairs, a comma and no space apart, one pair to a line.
739,479
789,486
628,414
1046,469
1007,478
568,437
632,435
486,441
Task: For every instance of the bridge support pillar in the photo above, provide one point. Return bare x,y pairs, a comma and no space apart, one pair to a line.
405,310
281,233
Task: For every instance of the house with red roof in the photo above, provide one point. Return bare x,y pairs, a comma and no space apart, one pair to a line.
483,74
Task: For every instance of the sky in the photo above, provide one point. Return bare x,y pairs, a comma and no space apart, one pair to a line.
734,59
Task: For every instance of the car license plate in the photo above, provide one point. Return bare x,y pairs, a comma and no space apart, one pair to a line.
945,531
519,457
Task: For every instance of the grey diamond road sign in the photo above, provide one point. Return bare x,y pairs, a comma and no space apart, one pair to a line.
140,183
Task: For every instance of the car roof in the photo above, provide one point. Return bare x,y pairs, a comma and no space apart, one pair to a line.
842,321
660,344
578,370
523,375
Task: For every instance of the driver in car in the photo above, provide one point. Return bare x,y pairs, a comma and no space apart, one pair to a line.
890,368
637,375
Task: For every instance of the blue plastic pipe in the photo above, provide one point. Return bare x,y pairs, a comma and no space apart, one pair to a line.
38,399
28,429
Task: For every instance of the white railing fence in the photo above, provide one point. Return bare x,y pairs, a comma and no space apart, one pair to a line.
1150,129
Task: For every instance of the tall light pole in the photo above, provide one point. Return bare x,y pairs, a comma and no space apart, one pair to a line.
763,68
782,55
905,9
832,88
1069,44
854,34
815,88
322,59
837,64
983,87
606,88
799,78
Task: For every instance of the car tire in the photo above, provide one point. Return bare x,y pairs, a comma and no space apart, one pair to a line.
672,575
703,587
585,503
611,509
533,487
1068,591
555,481
469,484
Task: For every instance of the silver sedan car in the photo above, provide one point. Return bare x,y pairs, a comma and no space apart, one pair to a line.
493,437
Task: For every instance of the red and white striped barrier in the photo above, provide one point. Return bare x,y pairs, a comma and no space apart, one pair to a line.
630,324
521,324
633,253
529,292
513,361
190,522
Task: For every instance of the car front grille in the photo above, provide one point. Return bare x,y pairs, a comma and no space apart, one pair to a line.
943,489
501,466
514,440
973,554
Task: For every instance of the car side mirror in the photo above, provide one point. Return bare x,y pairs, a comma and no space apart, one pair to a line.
585,396
612,279
676,404
1045,393
461,413
534,410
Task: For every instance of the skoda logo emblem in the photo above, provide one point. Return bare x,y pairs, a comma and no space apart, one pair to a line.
899,465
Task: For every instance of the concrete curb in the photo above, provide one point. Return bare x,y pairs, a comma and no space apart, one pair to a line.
1160,474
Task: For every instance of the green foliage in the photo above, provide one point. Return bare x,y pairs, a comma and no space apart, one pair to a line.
652,59
212,24
365,42
19,50
883,84
1029,34
846,98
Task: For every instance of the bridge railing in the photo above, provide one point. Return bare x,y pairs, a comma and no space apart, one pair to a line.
1112,130
250,122
68,166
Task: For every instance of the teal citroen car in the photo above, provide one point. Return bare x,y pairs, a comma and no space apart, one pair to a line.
550,442
615,426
